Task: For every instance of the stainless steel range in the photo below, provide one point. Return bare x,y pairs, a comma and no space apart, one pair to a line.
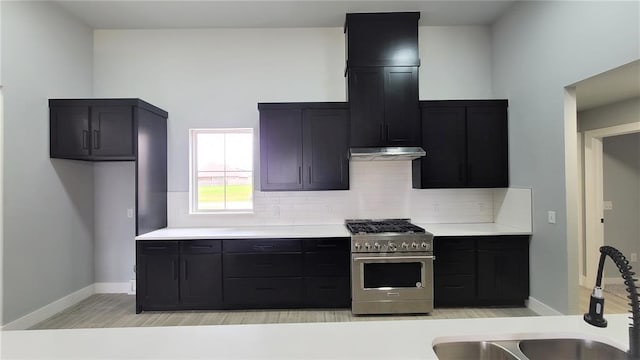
391,267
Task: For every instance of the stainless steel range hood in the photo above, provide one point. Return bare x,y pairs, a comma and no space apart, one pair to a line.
385,153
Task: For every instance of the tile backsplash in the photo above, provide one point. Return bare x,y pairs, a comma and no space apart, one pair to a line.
378,189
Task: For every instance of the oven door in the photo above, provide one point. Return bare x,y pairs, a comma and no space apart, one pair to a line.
388,277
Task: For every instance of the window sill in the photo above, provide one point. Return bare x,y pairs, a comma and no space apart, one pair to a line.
246,212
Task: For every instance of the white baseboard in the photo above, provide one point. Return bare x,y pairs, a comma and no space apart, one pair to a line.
541,308
49,310
113,288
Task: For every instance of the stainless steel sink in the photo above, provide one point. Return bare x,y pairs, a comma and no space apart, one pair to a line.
528,349
549,349
480,350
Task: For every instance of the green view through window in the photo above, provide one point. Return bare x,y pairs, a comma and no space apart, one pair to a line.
221,170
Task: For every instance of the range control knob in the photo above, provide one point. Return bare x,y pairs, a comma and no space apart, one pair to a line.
425,246
414,245
377,246
392,246
357,246
367,246
405,245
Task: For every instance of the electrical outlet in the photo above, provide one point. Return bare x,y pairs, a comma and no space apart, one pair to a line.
130,213
551,217
634,257
607,205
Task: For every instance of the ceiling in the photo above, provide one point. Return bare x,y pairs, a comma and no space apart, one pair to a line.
615,85
163,14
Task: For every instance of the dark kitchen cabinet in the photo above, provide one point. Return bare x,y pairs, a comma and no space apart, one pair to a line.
384,106
110,130
503,270
382,39
279,273
91,132
262,273
157,272
304,146
481,270
466,144
178,275
327,272
454,271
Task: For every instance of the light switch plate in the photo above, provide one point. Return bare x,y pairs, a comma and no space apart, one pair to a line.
608,205
551,215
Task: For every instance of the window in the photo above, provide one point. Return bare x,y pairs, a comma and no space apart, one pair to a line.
221,170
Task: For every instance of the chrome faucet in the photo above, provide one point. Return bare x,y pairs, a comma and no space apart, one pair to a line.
596,304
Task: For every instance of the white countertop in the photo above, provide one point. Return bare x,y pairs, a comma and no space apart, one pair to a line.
400,339
312,231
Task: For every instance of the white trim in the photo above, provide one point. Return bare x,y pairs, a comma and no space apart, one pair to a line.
112,288
571,198
541,308
593,191
1,200
49,310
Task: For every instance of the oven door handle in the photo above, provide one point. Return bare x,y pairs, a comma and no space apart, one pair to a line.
371,258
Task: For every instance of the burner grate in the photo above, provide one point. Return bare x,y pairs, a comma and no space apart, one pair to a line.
382,226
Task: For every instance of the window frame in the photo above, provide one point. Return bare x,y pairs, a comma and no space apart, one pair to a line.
193,176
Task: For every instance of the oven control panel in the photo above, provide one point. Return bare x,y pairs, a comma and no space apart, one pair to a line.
386,245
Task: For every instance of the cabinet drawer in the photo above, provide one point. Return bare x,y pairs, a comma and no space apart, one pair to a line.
461,262
327,244
453,243
158,247
328,292
200,246
455,290
326,264
263,292
262,265
261,245
502,242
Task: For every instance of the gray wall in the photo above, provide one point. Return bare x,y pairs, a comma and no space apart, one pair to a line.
621,167
48,204
538,49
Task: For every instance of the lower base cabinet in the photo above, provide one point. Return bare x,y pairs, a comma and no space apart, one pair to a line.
243,274
481,270
178,275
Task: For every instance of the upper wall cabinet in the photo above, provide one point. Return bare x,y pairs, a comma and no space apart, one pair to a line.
382,39
304,146
384,106
117,130
382,71
95,129
466,145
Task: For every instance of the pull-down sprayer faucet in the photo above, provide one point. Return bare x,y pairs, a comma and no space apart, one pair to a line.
596,304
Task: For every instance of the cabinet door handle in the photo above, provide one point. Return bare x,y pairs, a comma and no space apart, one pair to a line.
469,173
201,246
309,175
327,245
386,132
262,247
186,271
300,175
96,139
175,270
382,132
460,172
155,248
85,139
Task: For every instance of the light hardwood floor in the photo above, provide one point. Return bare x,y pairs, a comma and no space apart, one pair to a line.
118,310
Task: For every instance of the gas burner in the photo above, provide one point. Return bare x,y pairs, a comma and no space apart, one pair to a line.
366,226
